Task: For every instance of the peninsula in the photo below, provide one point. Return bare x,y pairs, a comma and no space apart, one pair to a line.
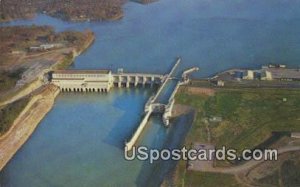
25,98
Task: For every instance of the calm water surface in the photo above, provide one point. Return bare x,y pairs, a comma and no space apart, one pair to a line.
80,142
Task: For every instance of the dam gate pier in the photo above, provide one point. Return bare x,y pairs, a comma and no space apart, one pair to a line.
103,80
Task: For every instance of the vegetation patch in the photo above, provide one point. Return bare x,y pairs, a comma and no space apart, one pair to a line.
10,112
75,10
287,174
209,179
8,80
197,131
249,116
18,39
66,62
193,178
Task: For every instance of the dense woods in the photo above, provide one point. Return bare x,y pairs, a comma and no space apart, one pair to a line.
75,10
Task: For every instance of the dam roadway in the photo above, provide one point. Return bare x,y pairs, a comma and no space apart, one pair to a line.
163,101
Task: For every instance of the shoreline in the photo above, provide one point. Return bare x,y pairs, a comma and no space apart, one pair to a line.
38,83
41,102
25,124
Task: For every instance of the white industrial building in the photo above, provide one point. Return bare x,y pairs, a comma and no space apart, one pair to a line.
83,80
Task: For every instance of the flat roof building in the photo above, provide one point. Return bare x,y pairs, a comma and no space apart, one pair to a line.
83,80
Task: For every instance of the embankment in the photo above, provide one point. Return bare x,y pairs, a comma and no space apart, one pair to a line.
41,101
24,125
76,51
89,41
38,82
26,90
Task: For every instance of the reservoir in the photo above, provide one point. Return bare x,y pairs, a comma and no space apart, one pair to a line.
81,140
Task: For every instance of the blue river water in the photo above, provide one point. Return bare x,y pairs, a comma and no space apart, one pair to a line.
80,142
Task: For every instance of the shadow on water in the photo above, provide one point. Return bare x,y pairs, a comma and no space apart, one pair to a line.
154,174
130,119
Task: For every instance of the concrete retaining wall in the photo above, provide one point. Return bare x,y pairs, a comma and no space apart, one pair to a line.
137,133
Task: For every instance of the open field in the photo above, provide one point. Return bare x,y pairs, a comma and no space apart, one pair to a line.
248,118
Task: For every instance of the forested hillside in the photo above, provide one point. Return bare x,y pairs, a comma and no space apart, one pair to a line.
74,10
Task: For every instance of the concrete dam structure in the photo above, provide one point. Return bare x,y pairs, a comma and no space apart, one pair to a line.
136,79
163,101
103,80
100,80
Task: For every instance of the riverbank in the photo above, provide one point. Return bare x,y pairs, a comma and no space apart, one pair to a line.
60,59
41,102
24,125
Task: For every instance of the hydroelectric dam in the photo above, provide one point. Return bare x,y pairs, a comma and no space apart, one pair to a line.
103,80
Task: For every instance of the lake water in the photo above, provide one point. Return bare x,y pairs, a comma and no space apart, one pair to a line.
80,142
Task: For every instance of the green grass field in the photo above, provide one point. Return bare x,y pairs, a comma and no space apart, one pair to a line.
249,116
